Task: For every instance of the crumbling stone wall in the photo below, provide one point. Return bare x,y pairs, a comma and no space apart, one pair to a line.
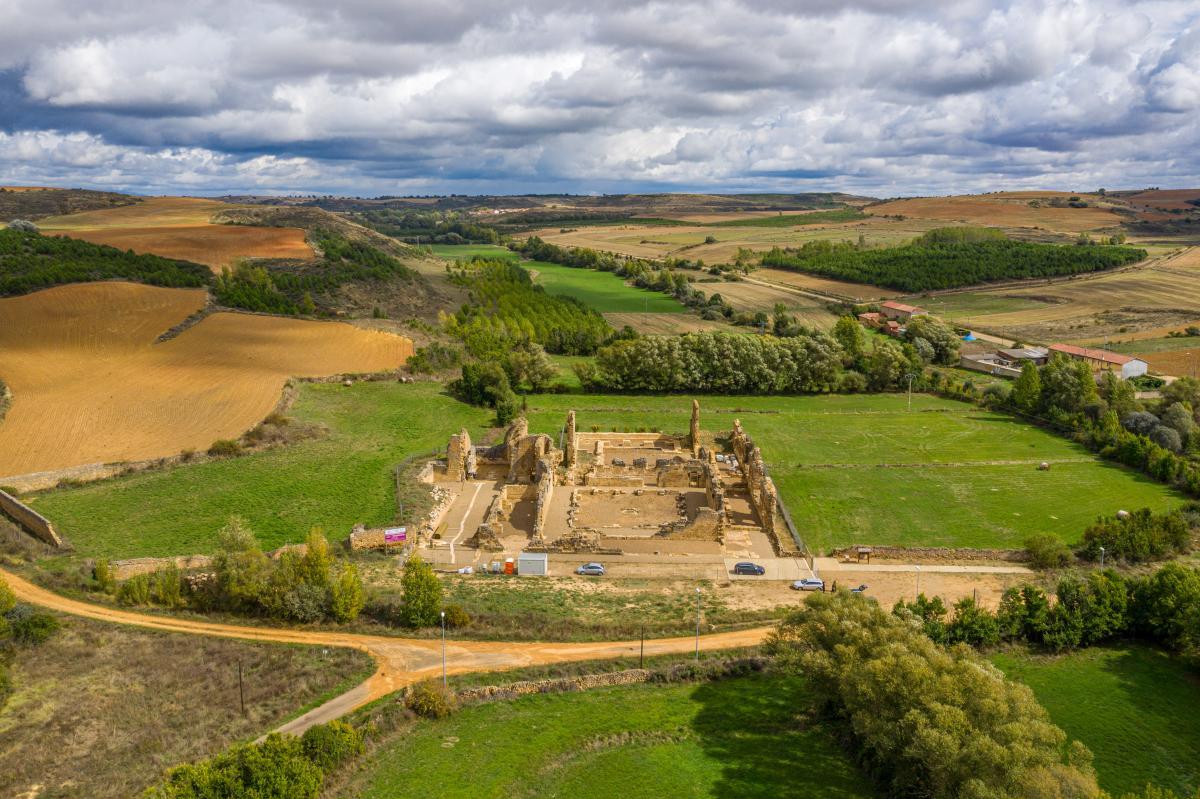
460,456
29,520
707,525
760,487
545,490
487,535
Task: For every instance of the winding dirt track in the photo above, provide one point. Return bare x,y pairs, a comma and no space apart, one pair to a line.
400,661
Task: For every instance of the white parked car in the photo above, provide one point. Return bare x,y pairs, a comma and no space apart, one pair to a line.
809,584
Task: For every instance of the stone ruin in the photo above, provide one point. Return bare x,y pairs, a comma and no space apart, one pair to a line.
759,486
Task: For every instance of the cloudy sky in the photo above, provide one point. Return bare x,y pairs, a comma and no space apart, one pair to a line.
882,97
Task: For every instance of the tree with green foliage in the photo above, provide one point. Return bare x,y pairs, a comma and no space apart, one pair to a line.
947,258
528,365
1120,395
422,593
7,598
1047,551
346,597
939,336
852,338
240,567
926,720
1027,389
972,624
1167,607
886,364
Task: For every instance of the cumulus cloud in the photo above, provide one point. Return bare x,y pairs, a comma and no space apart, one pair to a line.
876,96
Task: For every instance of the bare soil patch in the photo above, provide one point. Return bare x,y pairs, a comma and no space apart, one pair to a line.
1002,210
91,385
180,227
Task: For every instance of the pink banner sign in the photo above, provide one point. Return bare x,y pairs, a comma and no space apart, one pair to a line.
395,535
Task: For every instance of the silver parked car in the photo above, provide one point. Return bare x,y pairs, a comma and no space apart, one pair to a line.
809,584
591,569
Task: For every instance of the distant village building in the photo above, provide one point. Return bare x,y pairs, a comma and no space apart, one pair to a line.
990,363
900,311
1038,355
1104,361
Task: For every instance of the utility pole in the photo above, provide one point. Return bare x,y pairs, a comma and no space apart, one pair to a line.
241,689
697,622
911,376
642,650
444,684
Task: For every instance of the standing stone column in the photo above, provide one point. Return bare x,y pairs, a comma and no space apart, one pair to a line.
569,443
695,428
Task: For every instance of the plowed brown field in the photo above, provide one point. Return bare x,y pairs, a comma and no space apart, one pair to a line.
179,227
90,384
1002,210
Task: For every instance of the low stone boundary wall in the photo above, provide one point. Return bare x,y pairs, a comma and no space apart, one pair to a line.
29,520
584,682
933,554
124,569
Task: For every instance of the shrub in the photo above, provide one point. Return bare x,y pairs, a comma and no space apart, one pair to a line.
166,587
1047,551
305,603
274,769
430,701
330,745
135,590
972,624
33,628
1143,535
457,617
225,448
7,598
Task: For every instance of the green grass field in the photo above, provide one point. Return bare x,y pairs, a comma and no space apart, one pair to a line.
852,469
1136,708
465,252
747,737
602,291
971,303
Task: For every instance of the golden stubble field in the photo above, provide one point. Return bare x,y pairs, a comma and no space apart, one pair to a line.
1005,210
90,385
179,227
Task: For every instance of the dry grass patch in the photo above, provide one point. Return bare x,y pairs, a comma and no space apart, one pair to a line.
101,710
663,323
91,385
180,227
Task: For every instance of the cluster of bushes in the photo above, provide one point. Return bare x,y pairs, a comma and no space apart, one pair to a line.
290,288
280,767
926,720
948,258
20,624
308,586
426,227
1163,608
1139,536
434,357
718,363
506,309
29,261
494,383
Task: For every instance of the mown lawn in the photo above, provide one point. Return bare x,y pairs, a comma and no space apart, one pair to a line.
603,291
1136,708
852,469
746,737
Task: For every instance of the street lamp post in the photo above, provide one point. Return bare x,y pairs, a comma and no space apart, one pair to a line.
444,684
697,622
911,376
1101,557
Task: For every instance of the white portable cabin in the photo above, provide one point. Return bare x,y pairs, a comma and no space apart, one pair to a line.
533,563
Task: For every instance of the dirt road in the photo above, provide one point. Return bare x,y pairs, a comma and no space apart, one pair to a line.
400,661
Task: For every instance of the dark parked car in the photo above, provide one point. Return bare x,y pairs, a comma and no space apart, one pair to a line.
746,567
